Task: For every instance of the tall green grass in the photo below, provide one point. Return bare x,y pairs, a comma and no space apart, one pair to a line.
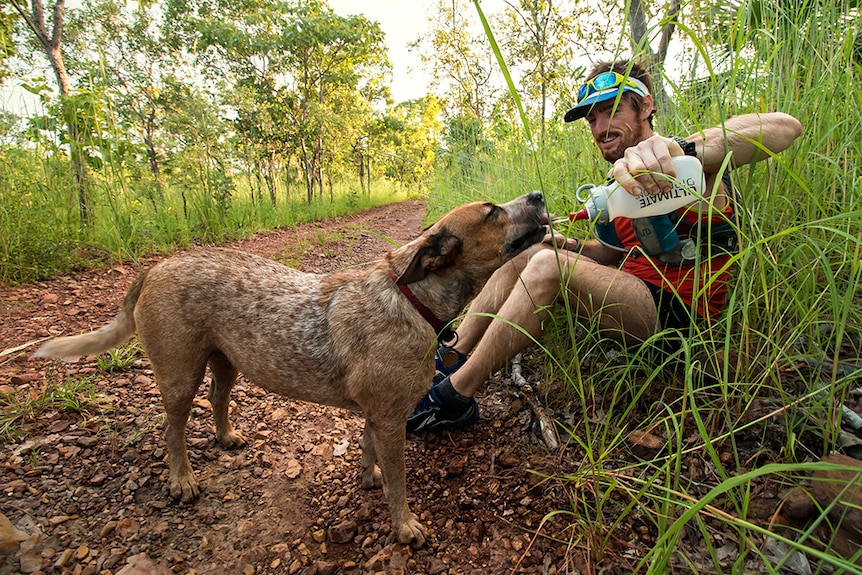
41,234
747,407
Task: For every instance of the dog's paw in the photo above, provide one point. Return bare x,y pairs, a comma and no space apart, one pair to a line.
372,478
412,533
231,440
185,489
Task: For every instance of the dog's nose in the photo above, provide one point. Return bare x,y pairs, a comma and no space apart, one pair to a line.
535,198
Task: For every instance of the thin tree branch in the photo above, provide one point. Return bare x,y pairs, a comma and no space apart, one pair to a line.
668,29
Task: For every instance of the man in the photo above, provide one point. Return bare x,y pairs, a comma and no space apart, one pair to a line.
631,292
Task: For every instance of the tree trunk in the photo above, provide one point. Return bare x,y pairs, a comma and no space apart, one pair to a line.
154,166
368,175
51,44
270,178
640,41
308,172
362,172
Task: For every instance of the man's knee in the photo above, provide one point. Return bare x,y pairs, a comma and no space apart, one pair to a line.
544,270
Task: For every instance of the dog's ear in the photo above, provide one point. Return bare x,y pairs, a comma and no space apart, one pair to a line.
434,253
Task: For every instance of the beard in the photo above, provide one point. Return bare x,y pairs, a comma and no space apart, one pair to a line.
629,135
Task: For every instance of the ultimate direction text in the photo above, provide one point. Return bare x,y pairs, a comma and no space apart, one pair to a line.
678,191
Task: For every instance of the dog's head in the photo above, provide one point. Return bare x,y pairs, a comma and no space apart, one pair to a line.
472,241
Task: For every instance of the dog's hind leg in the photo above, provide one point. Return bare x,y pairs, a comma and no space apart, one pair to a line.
371,475
224,378
178,392
179,370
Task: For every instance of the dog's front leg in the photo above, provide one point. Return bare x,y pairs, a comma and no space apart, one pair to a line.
371,476
389,439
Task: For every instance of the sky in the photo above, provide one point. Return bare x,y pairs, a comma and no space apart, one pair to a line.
402,22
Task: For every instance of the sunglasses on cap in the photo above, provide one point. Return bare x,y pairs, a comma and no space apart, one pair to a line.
603,87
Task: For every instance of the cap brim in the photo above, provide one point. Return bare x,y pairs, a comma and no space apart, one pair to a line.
582,109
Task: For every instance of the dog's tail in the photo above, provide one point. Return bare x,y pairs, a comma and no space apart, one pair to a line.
107,337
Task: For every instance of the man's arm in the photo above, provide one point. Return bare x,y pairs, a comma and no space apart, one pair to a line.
747,138
593,249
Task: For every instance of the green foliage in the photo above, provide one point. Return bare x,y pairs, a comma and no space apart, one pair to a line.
7,41
73,394
745,406
34,242
120,358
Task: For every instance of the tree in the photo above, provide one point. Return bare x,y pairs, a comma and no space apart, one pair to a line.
460,60
640,43
294,58
538,35
201,154
7,40
51,42
121,49
410,131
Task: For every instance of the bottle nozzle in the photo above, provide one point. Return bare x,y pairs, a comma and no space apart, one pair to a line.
582,214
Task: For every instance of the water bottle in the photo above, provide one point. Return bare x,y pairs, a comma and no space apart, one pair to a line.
611,201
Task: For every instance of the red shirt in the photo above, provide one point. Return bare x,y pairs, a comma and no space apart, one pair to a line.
706,281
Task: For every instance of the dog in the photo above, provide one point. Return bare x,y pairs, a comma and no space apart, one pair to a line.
361,338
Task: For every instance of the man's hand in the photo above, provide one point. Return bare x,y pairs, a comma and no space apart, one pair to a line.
646,166
562,242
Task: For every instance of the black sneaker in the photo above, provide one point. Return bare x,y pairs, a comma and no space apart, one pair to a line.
431,415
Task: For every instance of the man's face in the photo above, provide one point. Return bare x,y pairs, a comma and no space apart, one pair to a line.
615,130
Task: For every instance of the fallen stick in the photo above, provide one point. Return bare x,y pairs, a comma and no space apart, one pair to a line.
547,429
23,346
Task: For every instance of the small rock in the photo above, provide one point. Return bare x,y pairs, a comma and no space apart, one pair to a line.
293,469
23,379
143,380
57,520
508,460
344,532
86,441
798,504
644,444
64,559
435,566
30,562
141,564
10,536
127,527
112,560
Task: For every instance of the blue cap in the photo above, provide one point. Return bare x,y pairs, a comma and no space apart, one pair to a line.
628,84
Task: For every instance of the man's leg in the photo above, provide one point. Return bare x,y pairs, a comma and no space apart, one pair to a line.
622,303
491,298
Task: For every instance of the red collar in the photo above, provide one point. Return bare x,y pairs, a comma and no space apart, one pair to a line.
444,332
